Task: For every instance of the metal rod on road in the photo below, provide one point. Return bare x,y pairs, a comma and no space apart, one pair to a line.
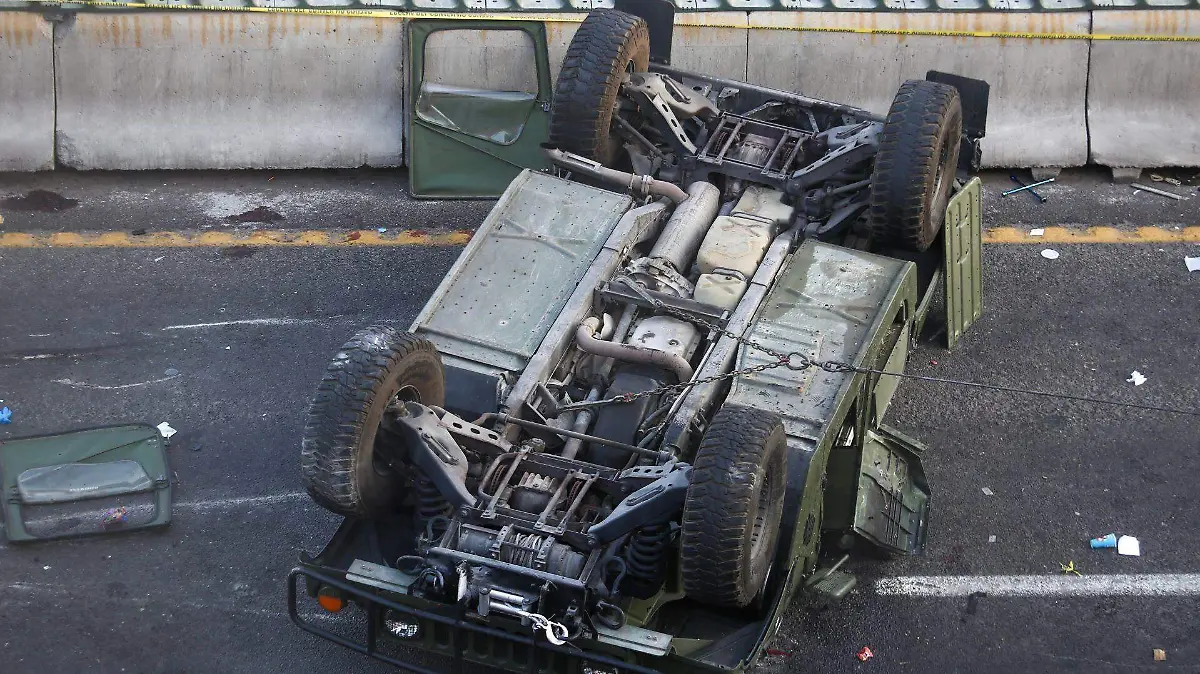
1026,187
1020,182
1138,186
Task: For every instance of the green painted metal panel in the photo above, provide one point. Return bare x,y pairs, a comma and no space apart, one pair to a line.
963,260
828,303
893,496
508,286
469,142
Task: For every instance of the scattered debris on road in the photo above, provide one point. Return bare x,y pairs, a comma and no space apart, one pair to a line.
5,415
1159,655
1136,378
987,491
1037,231
166,430
354,236
1069,568
1050,254
1105,541
1128,545
992,538
114,517
1193,263
1165,179
1155,190
779,653
865,654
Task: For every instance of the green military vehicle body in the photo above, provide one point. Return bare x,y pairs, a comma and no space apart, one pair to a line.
645,409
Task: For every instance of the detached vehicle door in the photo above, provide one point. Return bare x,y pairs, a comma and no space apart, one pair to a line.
478,100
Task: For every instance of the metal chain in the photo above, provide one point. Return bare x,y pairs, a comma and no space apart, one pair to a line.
798,361
792,361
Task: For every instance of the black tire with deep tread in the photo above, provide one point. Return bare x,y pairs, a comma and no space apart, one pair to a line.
741,461
607,43
336,457
920,142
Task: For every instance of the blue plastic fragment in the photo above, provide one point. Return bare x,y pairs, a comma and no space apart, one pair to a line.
5,415
1109,541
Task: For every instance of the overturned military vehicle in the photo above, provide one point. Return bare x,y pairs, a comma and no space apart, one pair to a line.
644,409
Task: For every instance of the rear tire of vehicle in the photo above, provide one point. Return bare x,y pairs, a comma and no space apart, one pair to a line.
338,460
733,507
915,165
607,45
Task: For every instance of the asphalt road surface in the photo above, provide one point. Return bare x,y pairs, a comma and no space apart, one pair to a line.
91,334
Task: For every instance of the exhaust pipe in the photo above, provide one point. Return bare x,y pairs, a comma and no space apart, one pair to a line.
638,184
585,339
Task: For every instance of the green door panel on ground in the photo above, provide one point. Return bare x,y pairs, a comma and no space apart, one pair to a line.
478,101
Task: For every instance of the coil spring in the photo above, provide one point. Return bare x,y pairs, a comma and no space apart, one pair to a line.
433,510
647,552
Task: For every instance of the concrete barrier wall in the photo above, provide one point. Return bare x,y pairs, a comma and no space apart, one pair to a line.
1037,110
1144,97
241,90
26,93
226,90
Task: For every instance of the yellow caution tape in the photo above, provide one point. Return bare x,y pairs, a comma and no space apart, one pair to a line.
560,18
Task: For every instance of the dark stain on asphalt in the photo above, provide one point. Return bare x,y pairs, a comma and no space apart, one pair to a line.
40,201
238,251
973,603
262,214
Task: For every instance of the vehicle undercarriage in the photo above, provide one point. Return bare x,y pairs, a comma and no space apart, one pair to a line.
645,406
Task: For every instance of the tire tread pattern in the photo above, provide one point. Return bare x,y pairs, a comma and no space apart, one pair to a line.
720,502
906,163
590,79
337,416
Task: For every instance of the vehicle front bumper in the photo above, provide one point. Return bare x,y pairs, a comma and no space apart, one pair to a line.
445,630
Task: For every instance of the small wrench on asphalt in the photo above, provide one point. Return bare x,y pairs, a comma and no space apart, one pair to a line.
1018,181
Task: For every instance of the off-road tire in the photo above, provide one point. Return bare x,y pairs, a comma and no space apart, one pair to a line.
915,165
731,515
337,456
607,45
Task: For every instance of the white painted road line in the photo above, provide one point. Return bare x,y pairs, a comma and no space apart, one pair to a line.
221,503
248,321
98,387
1115,585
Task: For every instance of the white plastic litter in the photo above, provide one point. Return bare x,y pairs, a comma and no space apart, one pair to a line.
166,430
1128,545
1193,263
987,491
1050,254
992,538
1136,378
1037,231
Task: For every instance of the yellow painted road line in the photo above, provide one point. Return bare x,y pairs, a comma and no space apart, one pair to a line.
1095,235
372,238
222,239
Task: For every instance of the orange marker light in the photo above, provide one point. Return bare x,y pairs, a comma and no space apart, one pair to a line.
330,601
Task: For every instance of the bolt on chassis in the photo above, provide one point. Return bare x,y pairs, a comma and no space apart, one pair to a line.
645,408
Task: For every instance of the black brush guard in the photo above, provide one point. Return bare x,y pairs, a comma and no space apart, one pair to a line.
540,656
